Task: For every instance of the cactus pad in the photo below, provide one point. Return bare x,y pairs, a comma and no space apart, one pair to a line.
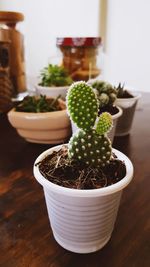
82,105
104,123
90,147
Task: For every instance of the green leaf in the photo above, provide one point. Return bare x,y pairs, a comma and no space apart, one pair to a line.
40,104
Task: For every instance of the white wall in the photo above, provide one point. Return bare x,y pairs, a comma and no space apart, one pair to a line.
128,43
47,19
127,55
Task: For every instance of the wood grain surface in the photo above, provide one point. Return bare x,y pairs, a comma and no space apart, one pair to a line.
26,239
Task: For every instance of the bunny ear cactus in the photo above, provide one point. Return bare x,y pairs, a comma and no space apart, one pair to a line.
89,145
106,93
82,105
104,123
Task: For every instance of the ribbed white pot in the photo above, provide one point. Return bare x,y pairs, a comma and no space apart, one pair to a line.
82,221
111,134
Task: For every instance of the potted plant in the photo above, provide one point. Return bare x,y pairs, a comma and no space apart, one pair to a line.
54,81
106,95
83,180
127,100
41,120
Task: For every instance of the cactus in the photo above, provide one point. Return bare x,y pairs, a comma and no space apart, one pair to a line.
104,124
90,144
106,93
82,105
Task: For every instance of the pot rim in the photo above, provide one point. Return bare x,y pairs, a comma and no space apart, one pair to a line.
136,96
15,113
37,86
31,115
118,114
87,192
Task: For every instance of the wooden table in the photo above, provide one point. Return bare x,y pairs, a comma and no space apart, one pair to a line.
26,239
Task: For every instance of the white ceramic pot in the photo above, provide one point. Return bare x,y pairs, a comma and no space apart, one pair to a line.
44,128
82,221
128,106
52,91
111,134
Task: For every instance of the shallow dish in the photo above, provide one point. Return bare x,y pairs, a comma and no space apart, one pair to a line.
44,127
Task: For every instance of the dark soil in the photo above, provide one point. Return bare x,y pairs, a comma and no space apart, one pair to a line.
108,108
61,170
125,94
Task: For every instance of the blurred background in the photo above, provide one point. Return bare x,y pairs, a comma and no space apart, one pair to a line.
122,24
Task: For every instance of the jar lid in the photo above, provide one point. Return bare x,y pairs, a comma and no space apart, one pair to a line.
11,17
81,41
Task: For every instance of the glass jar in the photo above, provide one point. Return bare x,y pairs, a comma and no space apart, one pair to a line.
80,56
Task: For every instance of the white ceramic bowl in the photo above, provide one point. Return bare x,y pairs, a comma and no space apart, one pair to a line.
82,221
44,128
52,91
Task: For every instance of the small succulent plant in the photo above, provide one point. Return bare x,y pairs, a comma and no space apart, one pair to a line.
38,104
54,75
90,143
122,92
106,93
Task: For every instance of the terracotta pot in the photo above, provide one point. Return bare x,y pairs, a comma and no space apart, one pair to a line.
111,134
82,221
44,128
128,106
